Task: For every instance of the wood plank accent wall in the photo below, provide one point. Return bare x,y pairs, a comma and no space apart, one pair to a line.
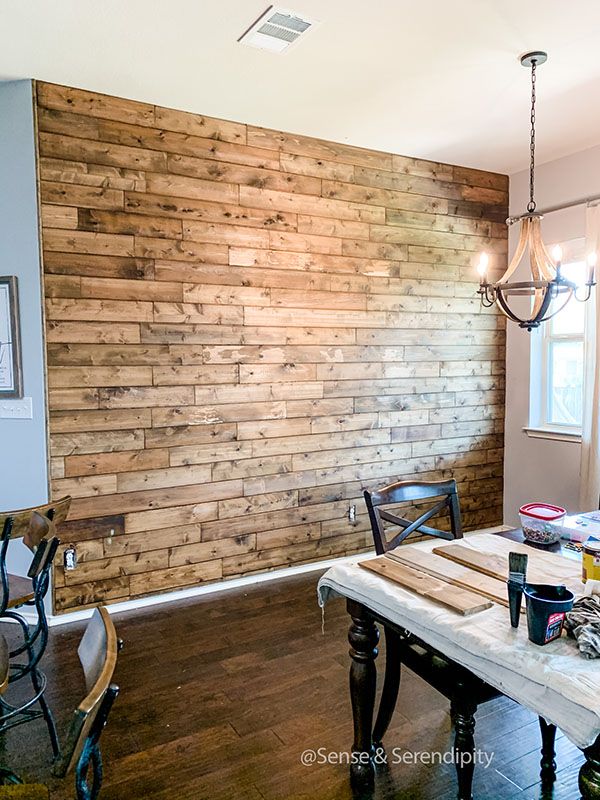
244,328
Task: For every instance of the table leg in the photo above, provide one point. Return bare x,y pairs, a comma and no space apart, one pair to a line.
363,637
589,774
463,710
547,764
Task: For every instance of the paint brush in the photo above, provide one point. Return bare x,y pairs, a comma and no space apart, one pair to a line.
517,571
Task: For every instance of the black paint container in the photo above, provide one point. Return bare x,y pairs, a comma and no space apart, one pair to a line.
546,608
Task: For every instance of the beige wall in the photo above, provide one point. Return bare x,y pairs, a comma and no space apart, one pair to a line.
539,469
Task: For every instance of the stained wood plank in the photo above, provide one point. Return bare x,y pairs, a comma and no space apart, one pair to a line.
457,575
460,600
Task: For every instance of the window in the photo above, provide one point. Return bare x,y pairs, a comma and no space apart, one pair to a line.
557,349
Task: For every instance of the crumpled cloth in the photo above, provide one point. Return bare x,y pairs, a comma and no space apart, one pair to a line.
583,624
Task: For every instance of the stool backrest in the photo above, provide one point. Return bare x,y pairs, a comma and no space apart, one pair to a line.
56,510
98,656
411,491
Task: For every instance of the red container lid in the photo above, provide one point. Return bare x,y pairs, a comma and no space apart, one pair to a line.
544,511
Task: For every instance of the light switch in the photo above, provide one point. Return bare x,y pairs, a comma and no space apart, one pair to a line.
19,408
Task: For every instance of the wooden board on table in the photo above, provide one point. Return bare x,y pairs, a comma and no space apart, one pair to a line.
458,599
452,572
489,555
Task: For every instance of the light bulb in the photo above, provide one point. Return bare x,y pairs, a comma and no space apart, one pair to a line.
483,265
591,261
557,253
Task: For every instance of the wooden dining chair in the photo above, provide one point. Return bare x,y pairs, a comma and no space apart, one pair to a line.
38,533
402,647
81,754
378,505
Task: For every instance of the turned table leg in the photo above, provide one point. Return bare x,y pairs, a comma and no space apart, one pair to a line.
363,637
463,710
589,774
547,764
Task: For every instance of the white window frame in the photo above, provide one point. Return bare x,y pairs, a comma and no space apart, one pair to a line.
541,343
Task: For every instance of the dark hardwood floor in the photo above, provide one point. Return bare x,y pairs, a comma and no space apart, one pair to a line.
221,695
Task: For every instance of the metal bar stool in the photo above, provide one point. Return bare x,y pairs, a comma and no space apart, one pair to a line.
18,592
98,656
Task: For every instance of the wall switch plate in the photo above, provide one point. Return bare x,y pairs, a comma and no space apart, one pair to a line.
18,408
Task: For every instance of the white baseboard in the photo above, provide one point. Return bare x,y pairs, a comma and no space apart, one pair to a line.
198,591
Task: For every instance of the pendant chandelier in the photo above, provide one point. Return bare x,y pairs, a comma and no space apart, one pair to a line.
547,283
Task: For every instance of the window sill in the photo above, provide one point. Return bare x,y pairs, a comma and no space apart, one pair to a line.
553,433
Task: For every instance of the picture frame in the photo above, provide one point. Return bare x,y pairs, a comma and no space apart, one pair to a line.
11,370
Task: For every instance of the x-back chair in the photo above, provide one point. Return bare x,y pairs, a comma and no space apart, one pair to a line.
39,535
98,652
403,647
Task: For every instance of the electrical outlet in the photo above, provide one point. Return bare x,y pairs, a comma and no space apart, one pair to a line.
352,513
70,558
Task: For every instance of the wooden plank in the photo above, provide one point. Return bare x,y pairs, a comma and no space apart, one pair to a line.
88,243
54,192
194,188
196,125
457,575
54,145
98,266
441,592
115,463
317,148
209,141
541,567
92,104
188,209
242,175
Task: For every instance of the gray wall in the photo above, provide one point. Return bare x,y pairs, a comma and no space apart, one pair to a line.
23,458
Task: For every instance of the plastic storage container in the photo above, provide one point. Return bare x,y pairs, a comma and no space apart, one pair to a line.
536,519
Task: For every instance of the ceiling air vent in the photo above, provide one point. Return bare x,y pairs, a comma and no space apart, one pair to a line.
276,30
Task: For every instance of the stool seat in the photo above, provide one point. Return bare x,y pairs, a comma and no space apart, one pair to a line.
20,591
24,791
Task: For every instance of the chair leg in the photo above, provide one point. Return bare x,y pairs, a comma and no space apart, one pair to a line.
391,686
547,764
463,716
589,774
35,680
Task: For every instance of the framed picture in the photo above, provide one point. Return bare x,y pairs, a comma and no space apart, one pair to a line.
11,373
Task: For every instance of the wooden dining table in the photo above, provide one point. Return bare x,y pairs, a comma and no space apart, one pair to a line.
554,681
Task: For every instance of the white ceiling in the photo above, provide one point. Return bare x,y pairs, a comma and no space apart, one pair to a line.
435,79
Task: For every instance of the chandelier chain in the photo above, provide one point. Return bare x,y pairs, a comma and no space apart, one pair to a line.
531,205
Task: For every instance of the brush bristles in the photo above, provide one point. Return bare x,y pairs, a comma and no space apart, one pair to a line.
517,567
